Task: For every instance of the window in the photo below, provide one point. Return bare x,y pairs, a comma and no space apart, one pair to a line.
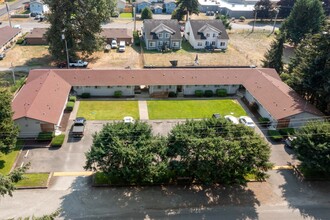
128,87
214,35
175,44
207,34
207,43
170,87
109,87
213,43
159,87
160,35
87,86
222,44
199,44
152,44
96,87
167,35
160,43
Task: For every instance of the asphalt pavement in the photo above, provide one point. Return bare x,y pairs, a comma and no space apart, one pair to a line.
12,6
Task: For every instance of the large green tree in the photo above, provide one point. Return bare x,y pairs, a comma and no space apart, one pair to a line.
284,7
178,14
7,182
306,17
128,153
216,151
309,70
8,129
146,13
188,7
263,8
312,146
273,56
225,20
80,22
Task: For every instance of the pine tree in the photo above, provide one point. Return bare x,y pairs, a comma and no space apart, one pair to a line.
146,13
189,7
273,56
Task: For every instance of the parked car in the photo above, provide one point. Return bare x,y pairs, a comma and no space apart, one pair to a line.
78,127
2,55
216,115
129,119
17,26
247,121
288,141
232,119
122,47
114,44
78,63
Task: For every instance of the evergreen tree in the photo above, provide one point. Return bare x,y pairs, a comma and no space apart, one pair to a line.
273,56
178,14
225,20
264,8
146,13
285,7
307,16
80,22
189,7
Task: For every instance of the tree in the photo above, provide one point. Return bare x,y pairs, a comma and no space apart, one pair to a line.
146,13
128,153
80,22
284,7
189,7
177,14
309,70
307,16
225,20
273,56
263,8
312,146
7,182
216,151
8,129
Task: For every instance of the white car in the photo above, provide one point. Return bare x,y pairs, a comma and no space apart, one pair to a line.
232,119
128,119
114,44
247,121
122,47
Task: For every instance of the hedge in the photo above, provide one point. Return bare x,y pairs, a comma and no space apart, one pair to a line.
69,106
199,93
275,135
172,94
45,136
136,38
264,122
208,93
221,92
85,95
118,94
20,41
286,131
72,98
58,140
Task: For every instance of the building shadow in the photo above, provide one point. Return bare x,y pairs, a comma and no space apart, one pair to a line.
311,198
157,202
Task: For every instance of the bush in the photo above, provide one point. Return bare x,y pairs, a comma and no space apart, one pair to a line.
199,93
72,98
20,41
136,38
85,95
242,18
221,92
172,94
69,106
285,132
208,93
58,140
118,94
275,135
45,136
264,122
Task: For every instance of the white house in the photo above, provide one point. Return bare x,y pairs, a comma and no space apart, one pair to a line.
38,6
206,34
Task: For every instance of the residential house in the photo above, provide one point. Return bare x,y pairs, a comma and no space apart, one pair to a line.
36,36
206,33
141,4
121,4
158,34
118,34
40,103
169,6
38,6
8,36
157,8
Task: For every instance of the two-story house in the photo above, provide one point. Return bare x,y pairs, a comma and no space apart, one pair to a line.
141,4
169,6
38,6
206,34
158,34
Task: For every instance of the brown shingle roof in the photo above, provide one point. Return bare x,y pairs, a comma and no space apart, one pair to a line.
264,84
6,34
117,33
37,33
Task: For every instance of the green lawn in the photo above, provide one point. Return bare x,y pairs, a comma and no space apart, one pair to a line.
108,110
33,179
126,15
7,160
185,109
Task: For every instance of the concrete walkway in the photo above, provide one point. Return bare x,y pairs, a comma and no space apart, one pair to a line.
74,112
143,110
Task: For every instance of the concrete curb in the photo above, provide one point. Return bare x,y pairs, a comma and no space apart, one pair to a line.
38,187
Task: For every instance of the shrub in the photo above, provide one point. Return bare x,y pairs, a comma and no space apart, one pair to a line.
58,140
118,94
221,92
285,132
45,136
72,98
208,93
264,122
275,135
20,41
199,93
85,95
136,38
242,18
69,106
172,94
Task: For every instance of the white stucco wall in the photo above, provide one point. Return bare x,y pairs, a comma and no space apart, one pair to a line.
29,127
168,88
190,90
301,119
104,90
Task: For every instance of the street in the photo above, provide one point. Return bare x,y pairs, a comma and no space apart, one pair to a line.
12,6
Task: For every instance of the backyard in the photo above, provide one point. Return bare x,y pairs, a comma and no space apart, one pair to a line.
193,109
108,110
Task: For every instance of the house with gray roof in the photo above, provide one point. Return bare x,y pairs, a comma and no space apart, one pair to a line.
159,34
141,4
206,34
169,6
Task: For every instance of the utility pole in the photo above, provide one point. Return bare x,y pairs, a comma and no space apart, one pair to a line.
13,72
8,14
66,50
134,18
277,11
255,18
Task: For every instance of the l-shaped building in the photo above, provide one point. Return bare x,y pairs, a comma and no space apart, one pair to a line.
39,105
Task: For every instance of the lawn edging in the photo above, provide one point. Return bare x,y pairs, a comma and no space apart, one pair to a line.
50,175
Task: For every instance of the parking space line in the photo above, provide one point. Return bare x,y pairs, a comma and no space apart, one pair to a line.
83,173
285,167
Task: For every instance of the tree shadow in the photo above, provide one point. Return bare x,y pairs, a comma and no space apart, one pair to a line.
2,164
155,202
311,198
